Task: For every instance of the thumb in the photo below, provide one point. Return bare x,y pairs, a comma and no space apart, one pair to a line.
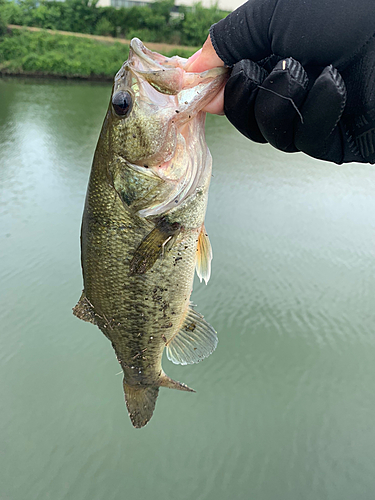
203,59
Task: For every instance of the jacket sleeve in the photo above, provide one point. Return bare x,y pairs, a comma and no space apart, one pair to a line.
314,32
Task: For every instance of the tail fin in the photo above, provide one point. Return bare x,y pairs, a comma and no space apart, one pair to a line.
141,400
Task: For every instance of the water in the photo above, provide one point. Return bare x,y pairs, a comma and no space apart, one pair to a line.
285,407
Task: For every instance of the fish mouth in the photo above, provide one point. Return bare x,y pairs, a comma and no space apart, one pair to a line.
153,59
168,76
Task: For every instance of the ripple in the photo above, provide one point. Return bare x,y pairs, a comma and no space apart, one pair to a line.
284,407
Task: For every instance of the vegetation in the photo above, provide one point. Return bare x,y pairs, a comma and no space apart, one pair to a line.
196,23
43,53
3,18
151,23
25,52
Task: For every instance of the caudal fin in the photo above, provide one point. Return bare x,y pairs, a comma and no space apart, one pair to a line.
140,400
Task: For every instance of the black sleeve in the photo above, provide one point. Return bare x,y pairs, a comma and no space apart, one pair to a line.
314,32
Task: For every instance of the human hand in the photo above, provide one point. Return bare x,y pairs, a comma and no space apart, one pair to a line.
303,75
204,59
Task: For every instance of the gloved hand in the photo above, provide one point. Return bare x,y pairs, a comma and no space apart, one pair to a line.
303,76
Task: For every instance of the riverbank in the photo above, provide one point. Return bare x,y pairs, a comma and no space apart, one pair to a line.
29,51
163,48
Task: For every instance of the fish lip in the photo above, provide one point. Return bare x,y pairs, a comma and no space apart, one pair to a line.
139,49
143,61
143,52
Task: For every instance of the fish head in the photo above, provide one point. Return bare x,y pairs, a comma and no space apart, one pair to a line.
155,114
153,97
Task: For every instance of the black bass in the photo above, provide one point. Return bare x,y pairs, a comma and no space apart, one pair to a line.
143,224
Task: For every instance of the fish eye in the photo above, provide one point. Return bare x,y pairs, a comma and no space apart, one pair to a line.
121,102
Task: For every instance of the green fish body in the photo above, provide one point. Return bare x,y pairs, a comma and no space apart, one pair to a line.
143,229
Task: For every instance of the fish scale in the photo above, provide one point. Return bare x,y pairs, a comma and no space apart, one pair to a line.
143,227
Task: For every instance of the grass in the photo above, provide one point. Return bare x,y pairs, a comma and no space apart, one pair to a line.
41,53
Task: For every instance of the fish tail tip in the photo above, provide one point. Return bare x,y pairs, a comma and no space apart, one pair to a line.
140,402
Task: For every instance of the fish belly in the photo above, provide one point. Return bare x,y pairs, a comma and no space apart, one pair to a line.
138,313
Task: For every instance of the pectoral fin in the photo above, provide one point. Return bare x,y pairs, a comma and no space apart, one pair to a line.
195,341
204,256
153,246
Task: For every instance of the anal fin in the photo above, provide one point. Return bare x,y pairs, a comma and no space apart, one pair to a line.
166,381
195,341
84,310
204,256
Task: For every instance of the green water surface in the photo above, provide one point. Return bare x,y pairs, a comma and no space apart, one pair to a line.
285,407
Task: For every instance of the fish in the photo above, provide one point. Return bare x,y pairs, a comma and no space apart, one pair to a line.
143,233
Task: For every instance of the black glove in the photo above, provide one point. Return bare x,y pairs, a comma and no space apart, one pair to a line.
303,75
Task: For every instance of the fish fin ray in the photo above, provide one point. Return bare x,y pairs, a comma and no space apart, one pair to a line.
153,246
84,310
140,402
195,341
166,381
204,256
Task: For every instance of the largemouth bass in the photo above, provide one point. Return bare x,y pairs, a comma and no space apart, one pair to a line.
143,224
